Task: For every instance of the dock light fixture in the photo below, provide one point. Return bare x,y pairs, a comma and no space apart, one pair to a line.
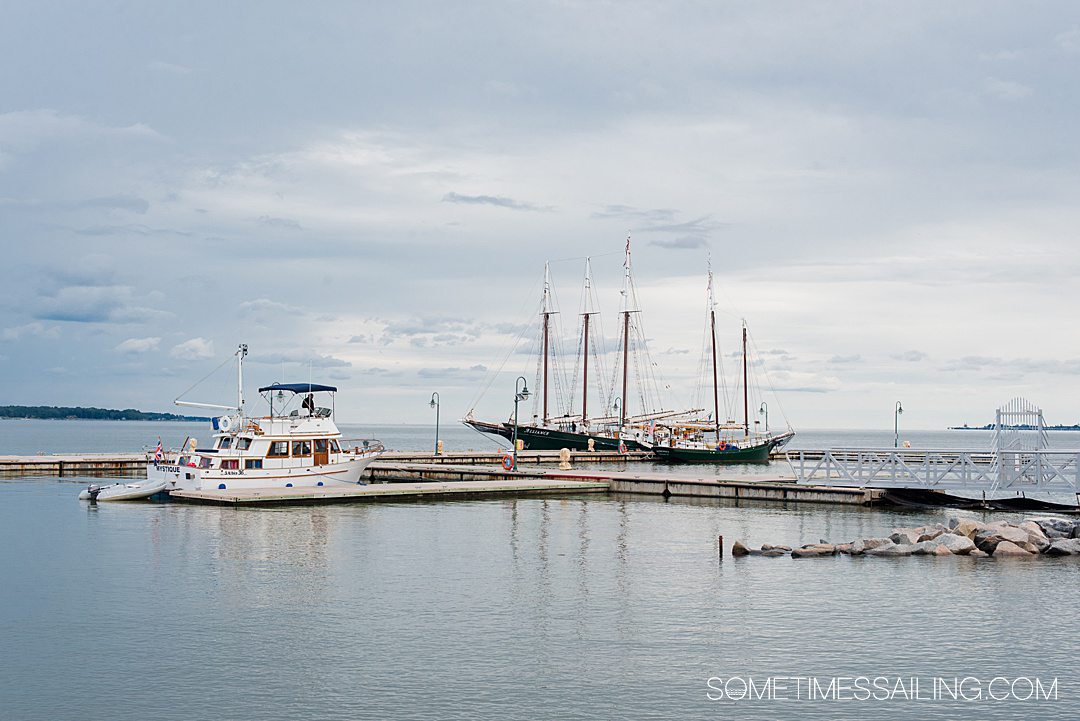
521,393
896,425
764,410
435,404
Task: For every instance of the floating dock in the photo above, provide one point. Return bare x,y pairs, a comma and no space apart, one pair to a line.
388,491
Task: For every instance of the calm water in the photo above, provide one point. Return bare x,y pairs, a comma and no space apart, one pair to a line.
595,607
576,608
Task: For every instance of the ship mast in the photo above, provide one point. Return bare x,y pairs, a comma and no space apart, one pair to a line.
712,335
745,388
627,309
585,363
546,311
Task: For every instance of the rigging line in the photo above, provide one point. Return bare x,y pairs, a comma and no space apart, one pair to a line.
227,360
768,379
585,257
493,376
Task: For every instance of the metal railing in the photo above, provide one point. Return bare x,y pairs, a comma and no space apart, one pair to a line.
1000,471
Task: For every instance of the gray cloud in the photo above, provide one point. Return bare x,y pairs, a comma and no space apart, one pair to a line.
498,202
286,223
841,359
303,358
452,373
129,203
130,229
637,216
684,243
911,356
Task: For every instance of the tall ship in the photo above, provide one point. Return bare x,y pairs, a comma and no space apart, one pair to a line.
719,438
572,426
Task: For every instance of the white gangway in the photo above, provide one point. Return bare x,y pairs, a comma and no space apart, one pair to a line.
1019,461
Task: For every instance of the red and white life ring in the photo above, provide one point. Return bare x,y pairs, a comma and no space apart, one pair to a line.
508,462
722,445
622,447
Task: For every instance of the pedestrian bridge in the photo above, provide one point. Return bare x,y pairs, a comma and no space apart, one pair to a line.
1018,461
1053,471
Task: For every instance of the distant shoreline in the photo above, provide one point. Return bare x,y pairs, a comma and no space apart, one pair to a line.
80,413
990,427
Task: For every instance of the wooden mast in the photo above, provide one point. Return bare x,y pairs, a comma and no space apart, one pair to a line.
625,366
715,392
745,388
546,323
585,376
547,318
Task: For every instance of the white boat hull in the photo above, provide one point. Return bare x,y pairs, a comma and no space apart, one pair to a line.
126,491
345,472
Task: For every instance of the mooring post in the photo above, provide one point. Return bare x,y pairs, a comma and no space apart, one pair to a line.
720,544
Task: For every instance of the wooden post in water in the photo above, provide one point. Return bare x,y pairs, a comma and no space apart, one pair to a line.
721,546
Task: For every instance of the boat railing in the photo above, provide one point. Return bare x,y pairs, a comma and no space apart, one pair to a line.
367,446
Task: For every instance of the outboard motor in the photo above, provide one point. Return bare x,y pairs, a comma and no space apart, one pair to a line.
93,489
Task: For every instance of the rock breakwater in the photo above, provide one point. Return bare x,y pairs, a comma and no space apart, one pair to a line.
1035,537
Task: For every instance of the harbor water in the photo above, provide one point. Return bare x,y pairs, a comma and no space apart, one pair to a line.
561,608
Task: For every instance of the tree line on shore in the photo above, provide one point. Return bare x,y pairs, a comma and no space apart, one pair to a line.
81,413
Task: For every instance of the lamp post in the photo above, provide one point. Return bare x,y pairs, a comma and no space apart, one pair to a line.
435,404
520,394
896,425
765,410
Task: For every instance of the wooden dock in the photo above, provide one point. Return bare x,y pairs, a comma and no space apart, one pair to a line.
389,491
475,474
111,464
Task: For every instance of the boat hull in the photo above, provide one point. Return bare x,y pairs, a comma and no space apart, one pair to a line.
124,491
347,472
750,454
550,439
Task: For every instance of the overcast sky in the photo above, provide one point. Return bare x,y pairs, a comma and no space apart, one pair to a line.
368,192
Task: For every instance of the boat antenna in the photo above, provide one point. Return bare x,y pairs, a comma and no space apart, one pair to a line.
240,353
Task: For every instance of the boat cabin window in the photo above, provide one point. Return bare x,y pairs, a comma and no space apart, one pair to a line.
278,449
242,444
253,463
225,442
204,462
230,464
335,447
320,445
301,448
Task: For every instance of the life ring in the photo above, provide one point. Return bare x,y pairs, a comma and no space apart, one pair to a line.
224,424
722,446
622,447
507,462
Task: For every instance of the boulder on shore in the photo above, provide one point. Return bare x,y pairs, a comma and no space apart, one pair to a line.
905,536
976,553
941,549
966,528
818,551
892,549
924,548
957,544
1064,547
739,549
863,545
1008,548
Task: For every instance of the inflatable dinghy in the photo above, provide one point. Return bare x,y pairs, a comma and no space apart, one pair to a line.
123,491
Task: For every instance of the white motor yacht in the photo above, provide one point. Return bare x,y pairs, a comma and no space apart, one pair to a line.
291,446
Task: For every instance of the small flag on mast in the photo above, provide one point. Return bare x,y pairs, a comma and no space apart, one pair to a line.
159,452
